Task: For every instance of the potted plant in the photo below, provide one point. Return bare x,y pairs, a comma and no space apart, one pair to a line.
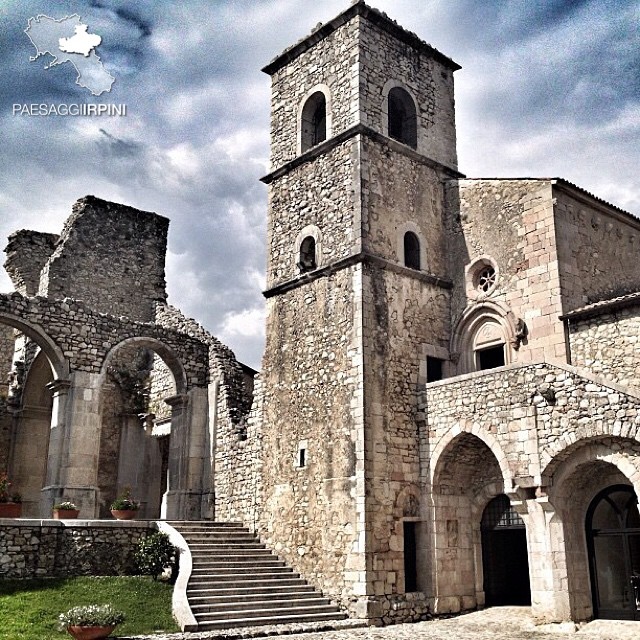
90,622
125,507
10,503
65,510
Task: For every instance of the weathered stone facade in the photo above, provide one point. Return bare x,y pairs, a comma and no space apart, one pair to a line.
429,353
448,412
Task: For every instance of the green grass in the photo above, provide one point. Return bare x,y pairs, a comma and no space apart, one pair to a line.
29,609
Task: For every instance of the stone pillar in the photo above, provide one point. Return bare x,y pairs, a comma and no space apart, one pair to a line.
547,562
186,450
74,450
52,489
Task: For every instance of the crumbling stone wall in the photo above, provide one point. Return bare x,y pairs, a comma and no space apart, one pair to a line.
6,361
111,257
597,248
46,549
27,253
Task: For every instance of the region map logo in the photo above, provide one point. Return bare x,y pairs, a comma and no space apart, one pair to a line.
68,41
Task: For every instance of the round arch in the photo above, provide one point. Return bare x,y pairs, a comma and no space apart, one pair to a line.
405,95
167,354
303,107
59,364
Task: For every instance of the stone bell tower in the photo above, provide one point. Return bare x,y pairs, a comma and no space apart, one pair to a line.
362,138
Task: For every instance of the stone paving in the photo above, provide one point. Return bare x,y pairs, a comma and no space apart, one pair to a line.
498,623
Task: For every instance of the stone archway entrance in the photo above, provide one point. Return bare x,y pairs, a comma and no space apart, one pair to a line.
613,539
504,555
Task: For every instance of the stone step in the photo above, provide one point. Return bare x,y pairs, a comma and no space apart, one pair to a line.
317,605
262,595
229,553
205,624
227,545
223,570
205,524
203,582
239,563
244,579
217,536
298,587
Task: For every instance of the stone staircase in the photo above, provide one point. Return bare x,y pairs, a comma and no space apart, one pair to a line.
237,582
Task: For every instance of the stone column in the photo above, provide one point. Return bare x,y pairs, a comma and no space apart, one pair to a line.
187,450
52,489
76,446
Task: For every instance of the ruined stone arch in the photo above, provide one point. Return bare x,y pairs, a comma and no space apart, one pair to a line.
317,97
167,354
449,439
485,323
59,364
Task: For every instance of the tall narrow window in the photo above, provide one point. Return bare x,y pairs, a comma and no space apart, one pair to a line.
411,250
434,369
402,117
314,121
410,557
307,260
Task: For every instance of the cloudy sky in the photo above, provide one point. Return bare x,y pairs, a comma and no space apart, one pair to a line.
547,88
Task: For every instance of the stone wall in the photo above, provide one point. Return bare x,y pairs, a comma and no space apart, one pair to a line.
332,62
383,58
110,256
324,196
48,548
597,248
607,344
6,362
510,222
311,375
401,194
27,253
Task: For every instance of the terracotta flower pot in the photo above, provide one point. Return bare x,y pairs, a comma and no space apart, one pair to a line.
65,514
90,633
10,509
124,514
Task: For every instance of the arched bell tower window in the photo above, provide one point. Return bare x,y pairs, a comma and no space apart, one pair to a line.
307,261
314,121
411,250
402,121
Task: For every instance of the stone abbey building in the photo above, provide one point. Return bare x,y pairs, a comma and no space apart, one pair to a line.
447,414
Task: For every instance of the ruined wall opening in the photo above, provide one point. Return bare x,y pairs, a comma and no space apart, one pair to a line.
135,427
402,121
313,122
29,362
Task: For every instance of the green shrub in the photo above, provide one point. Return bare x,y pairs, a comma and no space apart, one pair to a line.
93,615
155,553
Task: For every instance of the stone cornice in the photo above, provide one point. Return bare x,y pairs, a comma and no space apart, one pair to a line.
357,258
351,132
381,20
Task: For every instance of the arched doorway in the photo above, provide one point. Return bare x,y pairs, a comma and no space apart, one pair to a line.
504,555
613,539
